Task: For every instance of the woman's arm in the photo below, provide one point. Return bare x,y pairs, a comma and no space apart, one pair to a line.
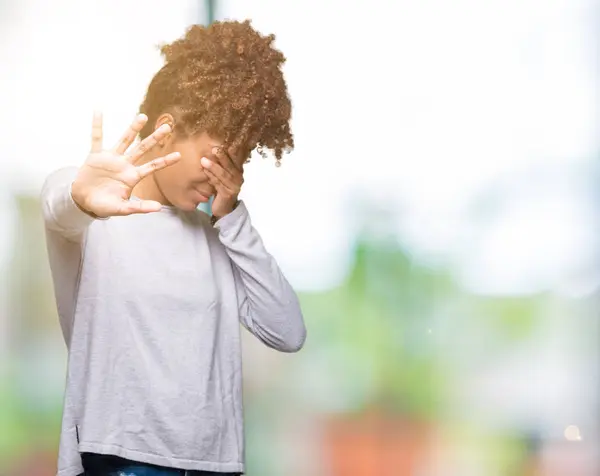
269,307
61,213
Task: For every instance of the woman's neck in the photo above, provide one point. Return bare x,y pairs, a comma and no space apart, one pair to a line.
148,189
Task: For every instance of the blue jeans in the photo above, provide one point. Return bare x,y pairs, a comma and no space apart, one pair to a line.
104,465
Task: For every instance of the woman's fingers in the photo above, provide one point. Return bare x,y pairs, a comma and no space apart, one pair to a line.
97,132
131,207
224,158
129,136
221,176
148,143
157,164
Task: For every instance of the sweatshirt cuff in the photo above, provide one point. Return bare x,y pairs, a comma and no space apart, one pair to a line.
60,210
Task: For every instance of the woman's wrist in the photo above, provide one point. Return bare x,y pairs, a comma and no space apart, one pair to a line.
215,218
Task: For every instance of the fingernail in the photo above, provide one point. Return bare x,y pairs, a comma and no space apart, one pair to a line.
204,161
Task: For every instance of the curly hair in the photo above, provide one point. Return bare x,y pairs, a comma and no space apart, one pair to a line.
224,79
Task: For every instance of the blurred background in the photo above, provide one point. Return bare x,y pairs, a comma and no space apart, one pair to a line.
439,219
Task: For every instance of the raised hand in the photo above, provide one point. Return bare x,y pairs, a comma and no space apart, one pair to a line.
227,177
105,181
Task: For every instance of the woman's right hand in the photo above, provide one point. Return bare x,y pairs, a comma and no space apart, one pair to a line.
105,181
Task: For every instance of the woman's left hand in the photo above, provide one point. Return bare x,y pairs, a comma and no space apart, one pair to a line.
227,177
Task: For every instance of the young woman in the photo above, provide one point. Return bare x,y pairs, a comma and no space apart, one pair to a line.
151,291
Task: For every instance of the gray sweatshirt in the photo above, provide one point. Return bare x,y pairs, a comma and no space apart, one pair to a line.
150,308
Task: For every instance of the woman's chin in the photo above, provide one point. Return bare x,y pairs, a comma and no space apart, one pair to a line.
192,201
187,205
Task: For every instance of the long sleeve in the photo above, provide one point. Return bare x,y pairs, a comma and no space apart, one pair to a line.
61,214
269,307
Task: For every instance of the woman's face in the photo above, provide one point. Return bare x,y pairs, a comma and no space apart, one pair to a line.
185,184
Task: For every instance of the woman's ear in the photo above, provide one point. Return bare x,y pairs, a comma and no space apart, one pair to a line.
165,119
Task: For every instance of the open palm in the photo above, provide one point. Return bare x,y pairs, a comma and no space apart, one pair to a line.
105,181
